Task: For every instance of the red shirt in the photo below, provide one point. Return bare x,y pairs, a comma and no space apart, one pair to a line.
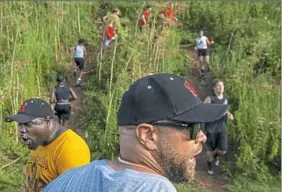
110,32
146,15
168,13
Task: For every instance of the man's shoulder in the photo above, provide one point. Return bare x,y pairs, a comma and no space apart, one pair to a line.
152,182
71,138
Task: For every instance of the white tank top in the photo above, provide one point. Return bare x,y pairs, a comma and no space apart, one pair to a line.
79,53
201,42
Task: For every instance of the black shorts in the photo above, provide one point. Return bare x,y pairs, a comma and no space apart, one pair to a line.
79,62
63,111
203,52
217,140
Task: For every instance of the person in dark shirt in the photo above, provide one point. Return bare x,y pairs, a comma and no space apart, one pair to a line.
61,95
217,131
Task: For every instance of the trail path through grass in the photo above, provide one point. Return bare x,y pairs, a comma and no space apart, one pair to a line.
204,182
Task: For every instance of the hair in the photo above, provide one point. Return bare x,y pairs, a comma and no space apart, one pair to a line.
215,82
148,7
60,78
116,10
170,2
80,41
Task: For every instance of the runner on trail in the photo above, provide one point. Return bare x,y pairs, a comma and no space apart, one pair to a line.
112,23
61,95
144,18
217,131
202,43
55,149
79,54
168,15
159,130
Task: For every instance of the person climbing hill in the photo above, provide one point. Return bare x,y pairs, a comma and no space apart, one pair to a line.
112,23
202,43
217,131
61,95
168,15
145,17
79,53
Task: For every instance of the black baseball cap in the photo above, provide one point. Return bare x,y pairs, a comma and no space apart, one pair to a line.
165,97
32,109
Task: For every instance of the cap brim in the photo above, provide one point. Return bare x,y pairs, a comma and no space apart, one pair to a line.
202,113
20,118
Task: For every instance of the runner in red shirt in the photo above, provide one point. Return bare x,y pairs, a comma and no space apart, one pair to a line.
112,22
168,15
145,16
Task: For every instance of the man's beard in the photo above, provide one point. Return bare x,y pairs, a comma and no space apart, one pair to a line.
177,168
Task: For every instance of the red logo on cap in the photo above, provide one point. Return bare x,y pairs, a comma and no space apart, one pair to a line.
22,107
189,86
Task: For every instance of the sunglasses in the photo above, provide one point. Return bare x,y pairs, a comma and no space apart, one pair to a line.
193,128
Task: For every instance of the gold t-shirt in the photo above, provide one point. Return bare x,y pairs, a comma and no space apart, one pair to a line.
46,163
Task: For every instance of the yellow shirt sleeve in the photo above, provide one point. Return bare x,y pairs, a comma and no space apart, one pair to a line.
72,154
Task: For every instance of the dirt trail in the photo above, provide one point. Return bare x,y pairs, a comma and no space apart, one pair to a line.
76,104
204,182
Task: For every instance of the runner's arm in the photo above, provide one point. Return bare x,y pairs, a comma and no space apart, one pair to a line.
230,116
209,42
163,16
144,19
84,50
72,50
73,95
207,100
105,18
53,97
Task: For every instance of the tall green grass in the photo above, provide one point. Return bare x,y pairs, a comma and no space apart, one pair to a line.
37,37
247,59
35,40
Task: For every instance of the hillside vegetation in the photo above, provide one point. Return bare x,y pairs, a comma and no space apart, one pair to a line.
36,37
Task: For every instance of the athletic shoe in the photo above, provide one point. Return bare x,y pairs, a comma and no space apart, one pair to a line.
210,172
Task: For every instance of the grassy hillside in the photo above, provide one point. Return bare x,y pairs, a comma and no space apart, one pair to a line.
37,37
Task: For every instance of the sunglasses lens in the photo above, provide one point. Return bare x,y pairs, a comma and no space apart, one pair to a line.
195,130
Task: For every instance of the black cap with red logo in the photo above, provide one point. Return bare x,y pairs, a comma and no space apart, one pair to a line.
165,97
32,109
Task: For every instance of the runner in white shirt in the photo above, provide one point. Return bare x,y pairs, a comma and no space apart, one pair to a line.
202,43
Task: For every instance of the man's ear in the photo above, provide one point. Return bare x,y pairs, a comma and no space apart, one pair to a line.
147,135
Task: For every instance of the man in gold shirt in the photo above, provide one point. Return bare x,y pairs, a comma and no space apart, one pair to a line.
55,148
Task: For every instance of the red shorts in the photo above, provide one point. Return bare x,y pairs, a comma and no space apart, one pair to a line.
110,32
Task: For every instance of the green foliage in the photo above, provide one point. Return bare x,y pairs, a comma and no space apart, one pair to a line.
247,58
37,37
245,184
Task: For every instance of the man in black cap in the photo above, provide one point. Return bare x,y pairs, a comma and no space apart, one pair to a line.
62,94
55,149
158,122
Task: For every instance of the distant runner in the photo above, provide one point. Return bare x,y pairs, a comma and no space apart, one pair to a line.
168,15
112,23
144,18
202,43
217,131
55,149
79,54
61,95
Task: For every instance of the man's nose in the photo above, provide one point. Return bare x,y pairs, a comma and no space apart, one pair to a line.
22,128
201,137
